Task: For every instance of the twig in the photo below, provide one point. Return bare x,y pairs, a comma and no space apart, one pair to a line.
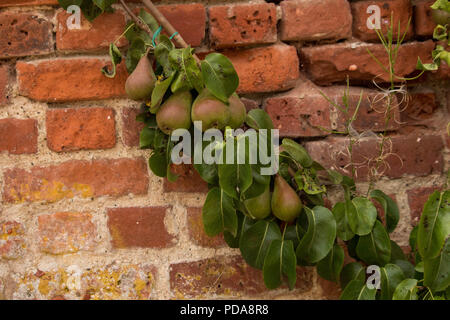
138,21
178,39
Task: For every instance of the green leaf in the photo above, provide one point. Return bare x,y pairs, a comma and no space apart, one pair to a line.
391,276
116,58
219,213
188,76
297,152
375,248
255,242
437,270
406,266
135,52
330,267
308,182
434,224
158,164
357,290
244,222
426,66
219,75
280,260
413,238
162,50
147,137
149,20
406,290
258,119
291,234
320,235
396,252
158,93
352,271
362,219
441,5
390,208
104,4
66,3
340,212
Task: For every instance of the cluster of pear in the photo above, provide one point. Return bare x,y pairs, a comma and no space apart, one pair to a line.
283,202
180,110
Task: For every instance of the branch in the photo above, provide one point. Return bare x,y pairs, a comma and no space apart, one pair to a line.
178,39
138,21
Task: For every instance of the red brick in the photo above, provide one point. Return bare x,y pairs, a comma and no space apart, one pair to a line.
298,115
73,79
4,84
242,24
333,63
188,19
109,282
77,129
139,227
95,35
315,20
12,240
330,290
188,180
250,104
400,10
423,21
224,276
10,3
404,155
130,127
266,69
66,232
86,179
23,34
197,233
18,136
416,200
418,106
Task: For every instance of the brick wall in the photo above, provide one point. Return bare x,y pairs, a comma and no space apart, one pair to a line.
81,216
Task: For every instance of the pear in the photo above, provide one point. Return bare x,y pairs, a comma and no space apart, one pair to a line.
175,112
259,207
141,82
238,112
212,112
286,204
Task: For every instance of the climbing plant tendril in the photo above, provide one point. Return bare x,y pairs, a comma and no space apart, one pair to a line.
278,221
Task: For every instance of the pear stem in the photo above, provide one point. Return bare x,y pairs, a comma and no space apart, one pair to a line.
178,39
138,21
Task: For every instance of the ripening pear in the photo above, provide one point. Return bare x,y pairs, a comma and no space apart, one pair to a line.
286,204
175,112
238,112
212,112
259,207
141,82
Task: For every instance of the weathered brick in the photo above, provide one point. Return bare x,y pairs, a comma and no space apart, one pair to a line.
418,106
23,34
423,22
72,129
242,24
224,276
416,200
18,136
12,240
333,63
139,227
4,84
266,69
403,155
197,233
10,3
66,232
110,282
297,114
330,290
86,179
304,20
399,10
188,19
130,127
188,180
73,79
95,35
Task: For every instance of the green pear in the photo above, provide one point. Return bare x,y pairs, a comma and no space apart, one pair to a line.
286,204
259,207
141,82
212,112
175,112
238,112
